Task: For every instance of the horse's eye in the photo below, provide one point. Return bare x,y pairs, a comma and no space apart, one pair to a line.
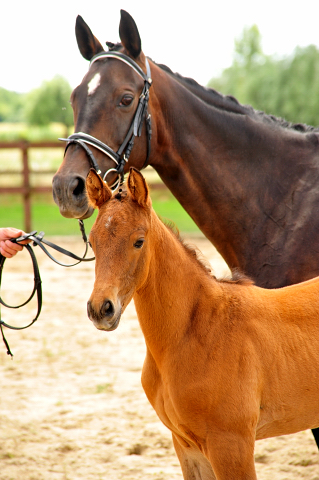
139,243
126,101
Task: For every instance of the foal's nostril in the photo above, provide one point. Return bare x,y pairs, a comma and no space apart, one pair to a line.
89,309
107,309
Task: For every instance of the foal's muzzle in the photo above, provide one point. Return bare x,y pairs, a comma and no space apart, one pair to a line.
107,318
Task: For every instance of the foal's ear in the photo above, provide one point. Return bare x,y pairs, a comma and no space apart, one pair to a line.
87,43
98,192
129,35
138,188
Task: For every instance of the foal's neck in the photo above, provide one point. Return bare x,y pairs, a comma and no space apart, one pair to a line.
176,282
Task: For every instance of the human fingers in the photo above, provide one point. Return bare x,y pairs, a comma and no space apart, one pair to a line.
7,233
8,249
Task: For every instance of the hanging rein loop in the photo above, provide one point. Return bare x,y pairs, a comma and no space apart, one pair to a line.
122,155
37,288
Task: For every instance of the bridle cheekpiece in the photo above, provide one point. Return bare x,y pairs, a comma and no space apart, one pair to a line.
122,155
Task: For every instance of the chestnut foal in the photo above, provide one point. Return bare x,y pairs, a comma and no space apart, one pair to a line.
227,362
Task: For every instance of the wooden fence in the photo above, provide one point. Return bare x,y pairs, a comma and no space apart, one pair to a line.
26,189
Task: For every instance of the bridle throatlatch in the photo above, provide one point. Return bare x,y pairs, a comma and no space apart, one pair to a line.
122,155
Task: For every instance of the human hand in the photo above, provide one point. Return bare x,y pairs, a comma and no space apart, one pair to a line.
7,248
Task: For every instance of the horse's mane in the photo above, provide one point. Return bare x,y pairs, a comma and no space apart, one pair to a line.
231,104
196,255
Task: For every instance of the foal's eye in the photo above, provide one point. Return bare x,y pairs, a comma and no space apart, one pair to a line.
139,243
126,101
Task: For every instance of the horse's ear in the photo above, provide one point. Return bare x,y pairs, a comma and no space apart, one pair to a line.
87,43
129,35
98,192
138,188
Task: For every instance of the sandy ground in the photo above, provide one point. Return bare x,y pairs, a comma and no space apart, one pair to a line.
72,406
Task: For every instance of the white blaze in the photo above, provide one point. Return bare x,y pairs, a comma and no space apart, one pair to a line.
94,83
108,222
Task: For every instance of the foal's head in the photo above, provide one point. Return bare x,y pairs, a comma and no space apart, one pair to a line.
120,241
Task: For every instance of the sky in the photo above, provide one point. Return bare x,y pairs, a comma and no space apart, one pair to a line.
194,38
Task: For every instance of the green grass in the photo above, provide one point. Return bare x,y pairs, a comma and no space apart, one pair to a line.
46,216
168,208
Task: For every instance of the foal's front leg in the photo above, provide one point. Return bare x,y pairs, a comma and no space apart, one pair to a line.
231,455
193,463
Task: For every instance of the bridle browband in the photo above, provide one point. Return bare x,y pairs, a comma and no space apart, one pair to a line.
122,155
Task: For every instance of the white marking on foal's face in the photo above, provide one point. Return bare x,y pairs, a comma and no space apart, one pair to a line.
108,222
94,83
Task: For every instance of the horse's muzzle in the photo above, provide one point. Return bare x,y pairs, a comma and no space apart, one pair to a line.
69,194
107,318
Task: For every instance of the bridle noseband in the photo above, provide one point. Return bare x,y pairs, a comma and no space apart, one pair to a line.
122,155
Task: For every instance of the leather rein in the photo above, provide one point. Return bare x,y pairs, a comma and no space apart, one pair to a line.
37,288
122,155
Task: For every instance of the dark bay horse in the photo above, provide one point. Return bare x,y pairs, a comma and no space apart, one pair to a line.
254,181
227,362
249,181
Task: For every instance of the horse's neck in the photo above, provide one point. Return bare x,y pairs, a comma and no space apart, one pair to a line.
189,125
173,288
215,156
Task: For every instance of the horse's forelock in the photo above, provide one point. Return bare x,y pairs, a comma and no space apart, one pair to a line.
114,47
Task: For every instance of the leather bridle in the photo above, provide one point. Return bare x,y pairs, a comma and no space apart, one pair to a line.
122,155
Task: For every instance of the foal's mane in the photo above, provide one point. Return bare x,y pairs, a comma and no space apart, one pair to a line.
196,256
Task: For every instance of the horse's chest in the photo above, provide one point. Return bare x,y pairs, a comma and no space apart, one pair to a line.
157,391
171,408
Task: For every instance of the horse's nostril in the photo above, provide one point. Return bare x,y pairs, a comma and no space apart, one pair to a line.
107,309
77,186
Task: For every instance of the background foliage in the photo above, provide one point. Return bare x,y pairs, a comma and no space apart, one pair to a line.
11,106
50,103
40,107
284,87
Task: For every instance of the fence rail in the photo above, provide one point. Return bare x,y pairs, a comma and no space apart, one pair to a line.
26,189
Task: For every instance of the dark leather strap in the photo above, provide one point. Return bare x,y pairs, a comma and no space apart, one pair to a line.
37,287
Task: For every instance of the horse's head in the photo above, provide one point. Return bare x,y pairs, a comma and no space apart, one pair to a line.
110,106
120,240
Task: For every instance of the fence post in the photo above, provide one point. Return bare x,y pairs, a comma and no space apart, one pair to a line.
26,187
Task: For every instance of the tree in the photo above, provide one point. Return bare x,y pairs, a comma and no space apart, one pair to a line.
50,103
286,87
248,51
11,106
